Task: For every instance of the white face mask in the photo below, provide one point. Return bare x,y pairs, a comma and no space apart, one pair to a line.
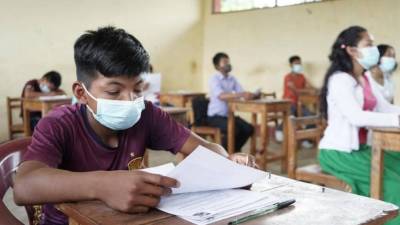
297,68
44,88
370,57
117,114
387,64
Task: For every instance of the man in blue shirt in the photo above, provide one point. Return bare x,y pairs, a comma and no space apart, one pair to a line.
223,87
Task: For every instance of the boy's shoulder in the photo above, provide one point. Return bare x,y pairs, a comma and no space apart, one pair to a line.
66,114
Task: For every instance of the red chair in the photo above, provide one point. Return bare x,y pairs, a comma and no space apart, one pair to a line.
10,157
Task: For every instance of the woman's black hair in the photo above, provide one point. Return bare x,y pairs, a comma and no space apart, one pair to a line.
340,60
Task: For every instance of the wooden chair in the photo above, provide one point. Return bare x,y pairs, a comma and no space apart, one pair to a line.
10,157
200,126
298,130
13,129
382,139
308,97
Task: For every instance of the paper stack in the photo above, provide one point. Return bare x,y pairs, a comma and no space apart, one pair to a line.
206,193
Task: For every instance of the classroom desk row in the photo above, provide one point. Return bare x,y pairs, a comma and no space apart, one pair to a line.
314,205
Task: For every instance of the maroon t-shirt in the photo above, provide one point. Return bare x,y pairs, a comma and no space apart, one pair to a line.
63,139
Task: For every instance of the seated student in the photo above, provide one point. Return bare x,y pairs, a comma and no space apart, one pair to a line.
82,151
351,106
223,87
48,85
382,74
294,82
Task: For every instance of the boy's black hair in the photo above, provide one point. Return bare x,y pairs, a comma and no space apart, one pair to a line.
111,52
217,58
53,77
294,58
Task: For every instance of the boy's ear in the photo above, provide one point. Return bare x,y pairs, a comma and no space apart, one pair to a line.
79,92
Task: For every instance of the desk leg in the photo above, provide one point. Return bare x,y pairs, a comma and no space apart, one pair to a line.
376,168
27,123
264,140
284,162
231,132
190,114
45,109
299,109
254,136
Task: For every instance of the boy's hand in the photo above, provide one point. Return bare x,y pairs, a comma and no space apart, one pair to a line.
244,159
133,191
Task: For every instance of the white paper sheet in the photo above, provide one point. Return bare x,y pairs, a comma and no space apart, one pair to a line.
160,170
53,97
211,206
154,82
204,170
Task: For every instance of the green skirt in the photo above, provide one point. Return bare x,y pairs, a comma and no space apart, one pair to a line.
355,168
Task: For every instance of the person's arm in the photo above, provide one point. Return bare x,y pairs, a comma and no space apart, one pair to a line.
217,90
128,191
59,92
29,92
194,141
341,89
38,179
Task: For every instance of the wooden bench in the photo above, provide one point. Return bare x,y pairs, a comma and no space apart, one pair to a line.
298,130
382,139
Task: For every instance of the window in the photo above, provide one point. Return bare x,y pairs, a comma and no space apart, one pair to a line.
223,6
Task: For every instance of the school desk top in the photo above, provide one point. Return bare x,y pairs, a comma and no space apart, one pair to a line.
313,206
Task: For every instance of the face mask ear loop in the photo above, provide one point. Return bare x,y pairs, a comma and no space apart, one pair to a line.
90,95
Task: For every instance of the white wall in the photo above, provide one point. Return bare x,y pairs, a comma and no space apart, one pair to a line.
38,36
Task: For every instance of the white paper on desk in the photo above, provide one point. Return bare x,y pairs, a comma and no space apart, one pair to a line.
211,206
53,97
205,170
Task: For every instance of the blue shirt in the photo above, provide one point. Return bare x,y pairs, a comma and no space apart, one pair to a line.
219,84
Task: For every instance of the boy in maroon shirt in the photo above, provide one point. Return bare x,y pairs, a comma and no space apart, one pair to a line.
82,152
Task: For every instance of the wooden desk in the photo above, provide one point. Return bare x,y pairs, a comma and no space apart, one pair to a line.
382,139
263,107
38,105
312,207
181,99
308,98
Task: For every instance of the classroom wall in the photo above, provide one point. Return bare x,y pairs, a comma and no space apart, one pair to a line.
260,42
38,36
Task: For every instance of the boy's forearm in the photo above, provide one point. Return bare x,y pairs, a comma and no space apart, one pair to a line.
49,185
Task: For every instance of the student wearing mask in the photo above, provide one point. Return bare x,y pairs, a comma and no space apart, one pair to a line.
295,82
351,105
82,151
223,87
382,73
48,85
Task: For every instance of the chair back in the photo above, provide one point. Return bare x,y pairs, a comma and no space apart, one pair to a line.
199,108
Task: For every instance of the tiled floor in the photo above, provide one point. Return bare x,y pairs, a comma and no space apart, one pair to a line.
306,156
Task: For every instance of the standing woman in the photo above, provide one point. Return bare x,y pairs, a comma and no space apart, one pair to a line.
350,106
382,74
